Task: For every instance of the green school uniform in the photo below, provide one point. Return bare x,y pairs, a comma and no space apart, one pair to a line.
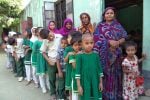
40,60
68,79
72,59
27,58
89,71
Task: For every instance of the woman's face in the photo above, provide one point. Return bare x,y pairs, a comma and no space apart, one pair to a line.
69,26
52,25
85,19
109,15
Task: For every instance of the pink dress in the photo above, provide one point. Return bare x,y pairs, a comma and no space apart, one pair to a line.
130,90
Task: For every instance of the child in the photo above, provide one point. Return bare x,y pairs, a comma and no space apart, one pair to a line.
33,39
68,80
27,59
61,69
51,46
41,63
130,70
88,71
75,43
19,50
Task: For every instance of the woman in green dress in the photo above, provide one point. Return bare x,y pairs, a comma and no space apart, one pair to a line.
88,71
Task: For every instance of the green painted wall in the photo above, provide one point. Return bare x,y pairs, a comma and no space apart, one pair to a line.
93,7
146,35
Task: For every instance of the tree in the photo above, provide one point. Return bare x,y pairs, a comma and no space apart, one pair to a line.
9,12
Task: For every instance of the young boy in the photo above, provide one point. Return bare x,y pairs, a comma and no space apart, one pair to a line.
61,69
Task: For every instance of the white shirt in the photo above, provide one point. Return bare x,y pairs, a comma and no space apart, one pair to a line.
51,47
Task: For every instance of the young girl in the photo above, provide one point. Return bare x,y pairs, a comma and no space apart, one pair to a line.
88,71
61,69
75,43
130,69
33,39
41,68
27,59
68,80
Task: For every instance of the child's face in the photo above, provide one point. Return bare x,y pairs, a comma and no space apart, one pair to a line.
88,44
52,26
68,26
76,46
131,50
64,43
51,37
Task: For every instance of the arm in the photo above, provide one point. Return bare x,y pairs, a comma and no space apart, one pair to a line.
60,74
143,58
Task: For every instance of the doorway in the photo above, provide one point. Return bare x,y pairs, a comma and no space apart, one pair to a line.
130,15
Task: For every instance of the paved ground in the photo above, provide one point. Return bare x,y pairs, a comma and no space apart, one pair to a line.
11,89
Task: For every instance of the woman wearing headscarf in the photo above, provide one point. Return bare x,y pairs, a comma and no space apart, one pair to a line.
86,26
67,27
109,36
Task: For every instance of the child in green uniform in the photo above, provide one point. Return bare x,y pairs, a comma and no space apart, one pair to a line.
88,71
75,43
27,59
68,80
33,39
41,67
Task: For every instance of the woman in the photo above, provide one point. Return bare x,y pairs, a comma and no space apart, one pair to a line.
108,36
86,26
67,27
52,27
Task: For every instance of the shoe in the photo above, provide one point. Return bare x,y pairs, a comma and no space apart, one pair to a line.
53,97
20,79
36,85
44,90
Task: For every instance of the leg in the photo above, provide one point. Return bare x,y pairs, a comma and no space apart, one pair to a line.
42,83
28,72
52,79
35,77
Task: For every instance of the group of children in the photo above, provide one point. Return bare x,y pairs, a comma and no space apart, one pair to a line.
45,56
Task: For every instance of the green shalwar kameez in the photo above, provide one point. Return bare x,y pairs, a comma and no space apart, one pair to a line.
89,71
68,79
40,63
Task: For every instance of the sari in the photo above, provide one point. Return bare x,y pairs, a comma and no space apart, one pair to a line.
110,60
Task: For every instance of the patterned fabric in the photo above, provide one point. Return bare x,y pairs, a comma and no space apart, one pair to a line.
111,61
130,91
60,57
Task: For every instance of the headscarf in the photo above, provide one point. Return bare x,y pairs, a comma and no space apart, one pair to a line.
83,28
64,31
55,30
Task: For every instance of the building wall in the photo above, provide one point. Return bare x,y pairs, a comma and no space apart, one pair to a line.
146,41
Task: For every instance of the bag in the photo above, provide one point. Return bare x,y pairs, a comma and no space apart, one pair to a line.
139,81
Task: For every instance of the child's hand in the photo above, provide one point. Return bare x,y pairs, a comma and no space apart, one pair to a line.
80,90
101,86
60,74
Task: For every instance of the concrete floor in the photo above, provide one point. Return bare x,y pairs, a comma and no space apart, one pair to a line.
11,89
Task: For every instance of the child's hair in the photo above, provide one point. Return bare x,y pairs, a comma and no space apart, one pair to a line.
85,36
75,34
130,43
64,38
38,29
11,41
44,33
75,39
29,34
